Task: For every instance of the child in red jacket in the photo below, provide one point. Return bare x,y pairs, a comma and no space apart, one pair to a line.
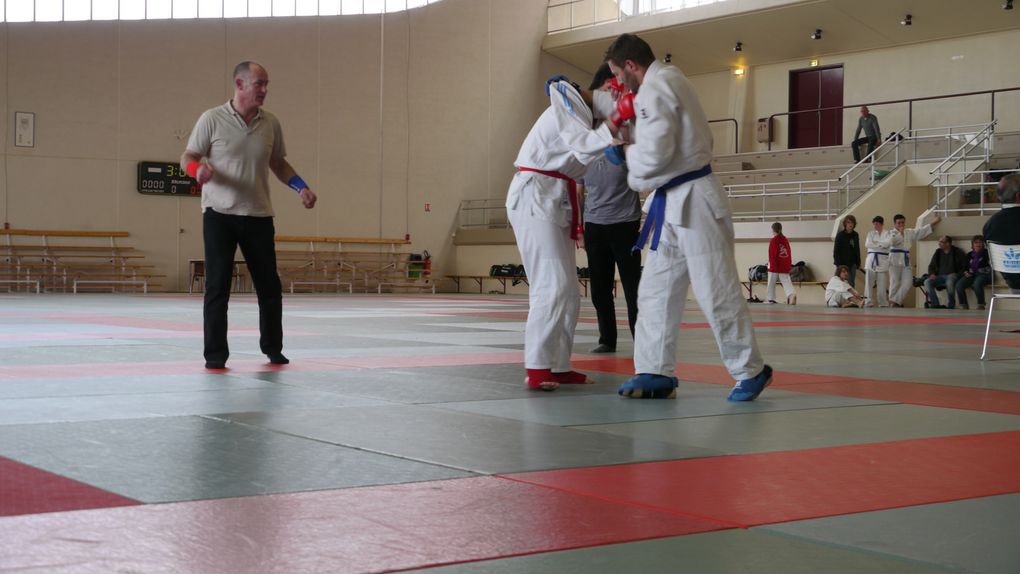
780,262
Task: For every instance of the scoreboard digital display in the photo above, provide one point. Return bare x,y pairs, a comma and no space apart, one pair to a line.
165,178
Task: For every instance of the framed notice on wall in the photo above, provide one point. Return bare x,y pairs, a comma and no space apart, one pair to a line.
24,129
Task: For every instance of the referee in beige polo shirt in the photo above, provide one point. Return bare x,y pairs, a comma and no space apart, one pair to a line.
230,152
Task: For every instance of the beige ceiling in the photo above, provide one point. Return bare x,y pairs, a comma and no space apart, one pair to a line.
701,39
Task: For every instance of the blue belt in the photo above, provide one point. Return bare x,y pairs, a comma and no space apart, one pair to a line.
872,264
657,211
906,255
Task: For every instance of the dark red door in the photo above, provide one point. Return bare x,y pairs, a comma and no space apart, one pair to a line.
812,89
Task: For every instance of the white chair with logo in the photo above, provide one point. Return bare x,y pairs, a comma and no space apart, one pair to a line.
1004,259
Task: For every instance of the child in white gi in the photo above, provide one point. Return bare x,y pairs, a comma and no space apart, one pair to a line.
839,293
876,274
901,272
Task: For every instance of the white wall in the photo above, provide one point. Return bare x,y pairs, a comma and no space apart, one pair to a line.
933,68
957,65
381,114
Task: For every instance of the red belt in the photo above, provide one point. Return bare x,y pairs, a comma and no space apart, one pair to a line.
575,216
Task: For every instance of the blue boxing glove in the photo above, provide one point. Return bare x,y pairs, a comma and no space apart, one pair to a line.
553,80
615,154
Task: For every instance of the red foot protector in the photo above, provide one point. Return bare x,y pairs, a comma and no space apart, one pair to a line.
375,529
767,488
27,490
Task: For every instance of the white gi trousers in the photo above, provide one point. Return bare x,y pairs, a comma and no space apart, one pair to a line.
702,255
876,275
770,290
550,261
901,281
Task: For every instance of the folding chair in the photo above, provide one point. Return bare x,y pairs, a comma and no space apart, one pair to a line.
1004,259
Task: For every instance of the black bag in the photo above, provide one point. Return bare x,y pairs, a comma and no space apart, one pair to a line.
800,272
503,270
583,273
758,273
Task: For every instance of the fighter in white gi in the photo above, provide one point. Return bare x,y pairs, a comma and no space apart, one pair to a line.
901,272
692,230
542,208
876,266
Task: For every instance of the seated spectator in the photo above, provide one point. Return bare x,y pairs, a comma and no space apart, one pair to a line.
1004,226
977,274
839,293
946,266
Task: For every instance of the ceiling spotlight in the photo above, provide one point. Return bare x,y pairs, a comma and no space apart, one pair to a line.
1008,5
739,47
908,20
818,34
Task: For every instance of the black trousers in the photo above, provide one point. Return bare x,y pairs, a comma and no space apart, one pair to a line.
255,235
608,247
855,146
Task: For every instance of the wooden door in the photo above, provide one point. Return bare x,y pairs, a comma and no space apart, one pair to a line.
812,89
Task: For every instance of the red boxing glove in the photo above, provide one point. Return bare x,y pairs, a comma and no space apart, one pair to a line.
624,110
192,168
617,86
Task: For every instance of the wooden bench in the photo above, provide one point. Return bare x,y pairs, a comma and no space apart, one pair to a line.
326,261
58,261
583,282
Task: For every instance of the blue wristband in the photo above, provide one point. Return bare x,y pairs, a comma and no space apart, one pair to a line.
296,183
615,154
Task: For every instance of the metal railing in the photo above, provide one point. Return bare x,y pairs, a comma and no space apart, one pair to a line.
736,132
910,105
483,214
965,145
828,198
948,182
981,201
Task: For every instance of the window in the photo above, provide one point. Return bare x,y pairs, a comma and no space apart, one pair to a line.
74,10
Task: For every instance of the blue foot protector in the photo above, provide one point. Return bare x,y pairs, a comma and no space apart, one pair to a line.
749,389
649,386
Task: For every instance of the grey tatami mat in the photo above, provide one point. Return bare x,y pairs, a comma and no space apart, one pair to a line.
812,428
977,535
126,385
693,400
725,552
466,441
189,458
107,407
409,386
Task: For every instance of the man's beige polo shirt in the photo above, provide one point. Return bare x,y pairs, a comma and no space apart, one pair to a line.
239,155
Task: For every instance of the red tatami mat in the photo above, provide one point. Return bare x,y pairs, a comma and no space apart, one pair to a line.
984,400
776,487
370,529
27,490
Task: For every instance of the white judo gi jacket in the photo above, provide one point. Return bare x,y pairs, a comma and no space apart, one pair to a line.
901,273
876,266
538,207
878,245
672,137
